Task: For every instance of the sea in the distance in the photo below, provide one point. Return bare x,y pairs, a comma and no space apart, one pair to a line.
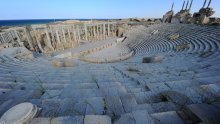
34,21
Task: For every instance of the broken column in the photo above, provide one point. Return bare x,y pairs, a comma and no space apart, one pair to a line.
20,114
86,33
18,39
48,40
58,40
29,38
36,33
104,32
64,37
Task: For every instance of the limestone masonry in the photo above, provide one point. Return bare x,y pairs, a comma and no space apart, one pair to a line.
129,71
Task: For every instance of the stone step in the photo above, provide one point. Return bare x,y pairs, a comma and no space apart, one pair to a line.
146,107
23,95
179,99
68,92
178,85
59,120
54,86
51,94
136,90
158,87
170,117
209,80
4,90
117,90
128,101
114,106
97,119
203,113
147,97
210,93
125,119
142,117
135,117
192,94
163,107
109,84
208,74
23,85
60,107
95,106
82,86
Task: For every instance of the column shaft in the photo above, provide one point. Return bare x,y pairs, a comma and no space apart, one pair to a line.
3,38
94,32
104,32
86,32
78,32
37,39
64,37
108,29
48,40
18,38
29,38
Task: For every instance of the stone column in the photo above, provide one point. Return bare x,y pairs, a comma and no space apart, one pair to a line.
69,35
64,37
70,38
58,40
58,37
90,33
48,40
74,33
53,38
86,33
104,32
94,32
108,29
115,29
29,38
19,39
97,29
3,38
11,36
101,32
7,37
78,33
38,42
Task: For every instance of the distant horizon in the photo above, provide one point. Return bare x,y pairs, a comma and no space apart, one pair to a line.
95,9
77,19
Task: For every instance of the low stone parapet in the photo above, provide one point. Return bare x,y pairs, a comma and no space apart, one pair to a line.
107,59
63,63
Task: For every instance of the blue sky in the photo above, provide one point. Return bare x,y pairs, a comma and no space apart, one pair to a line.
64,9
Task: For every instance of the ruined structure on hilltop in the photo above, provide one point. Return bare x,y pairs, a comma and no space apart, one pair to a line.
184,15
203,16
168,16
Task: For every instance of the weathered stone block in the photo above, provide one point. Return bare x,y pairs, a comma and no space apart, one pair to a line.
154,59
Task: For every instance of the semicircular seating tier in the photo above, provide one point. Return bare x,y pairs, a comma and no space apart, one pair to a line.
183,87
